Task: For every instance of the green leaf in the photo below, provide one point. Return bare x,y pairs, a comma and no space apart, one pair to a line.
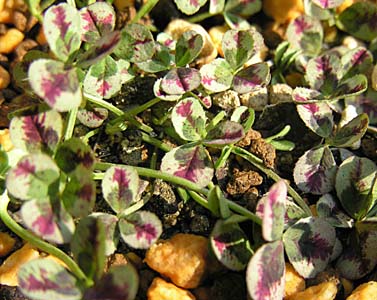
188,47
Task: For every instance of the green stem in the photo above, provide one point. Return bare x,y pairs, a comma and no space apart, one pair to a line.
270,173
70,123
155,142
91,133
144,10
40,244
200,17
135,111
118,112
187,184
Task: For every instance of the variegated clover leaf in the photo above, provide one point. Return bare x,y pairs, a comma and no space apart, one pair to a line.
309,245
230,245
54,83
188,48
265,274
356,186
62,28
189,7
45,279
180,80
315,171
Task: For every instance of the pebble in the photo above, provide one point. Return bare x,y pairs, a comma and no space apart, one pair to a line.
257,99
5,141
4,78
183,259
227,100
279,93
283,11
365,291
162,290
6,243
216,33
323,291
294,283
10,267
10,40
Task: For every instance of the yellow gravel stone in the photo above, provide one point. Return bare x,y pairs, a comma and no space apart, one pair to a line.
5,142
365,291
10,267
323,291
294,283
216,33
162,290
10,40
6,243
6,16
4,78
183,259
283,10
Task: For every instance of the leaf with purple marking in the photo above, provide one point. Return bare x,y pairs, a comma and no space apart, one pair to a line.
189,7
32,177
88,246
79,195
54,83
230,245
119,283
225,133
367,103
136,45
350,133
120,187
252,77
48,220
324,73
141,229
238,47
158,92
274,211
101,48
315,171
301,95
111,233
350,87
162,60
62,30
365,13
37,132
244,8
188,47
97,20
314,10
189,119
328,209
181,80
103,79
357,61
328,3
317,117
125,70
92,117
356,186
191,163
216,76
305,33
45,279
235,21
74,155
265,274
309,244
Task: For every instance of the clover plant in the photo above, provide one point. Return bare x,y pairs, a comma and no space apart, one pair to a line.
55,178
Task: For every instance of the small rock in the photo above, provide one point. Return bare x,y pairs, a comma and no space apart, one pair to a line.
183,259
250,135
227,100
257,99
279,93
199,224
5,141
323,291
216,33
283,11
4,78
10,267
162,290
265,151
294,283
10,40
242,181
19,20
6,243
23,48
365,291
